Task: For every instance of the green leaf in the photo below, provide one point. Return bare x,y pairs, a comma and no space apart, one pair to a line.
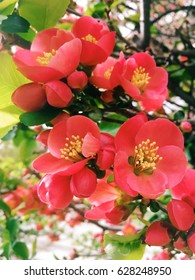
13,226
128,251
10,79
7,7
21,250
4,207
35,118
179,115
42,14
124,247
14,24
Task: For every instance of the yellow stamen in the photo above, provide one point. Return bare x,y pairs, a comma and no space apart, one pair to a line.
90,38
108,73
47,56
140,78
73,148
145,157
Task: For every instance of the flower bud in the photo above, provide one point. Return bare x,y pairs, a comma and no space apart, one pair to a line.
29,97
186,127
58,94
181,214
77,79
180,244
191,241
157,234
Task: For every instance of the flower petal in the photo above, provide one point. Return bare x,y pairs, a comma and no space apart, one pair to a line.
173,164
75,125
83,183
162,131
125,137
91,145
122,169
149,186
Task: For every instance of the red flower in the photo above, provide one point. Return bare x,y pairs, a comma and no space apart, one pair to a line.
58,94
97,41
191,241
54,190
148,158
185,190
157,234
77,79
54,54
106,203
71,143
181,214
107,74
29,97
145,82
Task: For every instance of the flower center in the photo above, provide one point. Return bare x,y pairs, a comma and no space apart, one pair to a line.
90,38
108,73
145,157
140,78
73,148
47,56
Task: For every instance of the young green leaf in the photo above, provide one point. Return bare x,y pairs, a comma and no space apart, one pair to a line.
42,14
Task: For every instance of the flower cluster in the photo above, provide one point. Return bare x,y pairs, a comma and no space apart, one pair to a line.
142,162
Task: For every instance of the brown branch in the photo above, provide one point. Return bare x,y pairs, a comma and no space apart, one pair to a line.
191,7
145,23
113,228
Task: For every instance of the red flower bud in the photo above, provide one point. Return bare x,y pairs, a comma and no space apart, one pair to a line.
77,80
157,234
29,97
186,127
191,241
58,94
181,214
180,244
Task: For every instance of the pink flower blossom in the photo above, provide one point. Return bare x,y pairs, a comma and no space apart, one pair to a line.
97,40
54,54
148,158
107,74
106,201
71,144
144,81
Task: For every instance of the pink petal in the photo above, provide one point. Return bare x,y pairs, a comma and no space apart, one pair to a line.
173,164
162,131
149,186
99,212
83,183
59,193
122,169
75,125
91,145
67,57
107,42
47,163
110,193
92,54
145,60
125,137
